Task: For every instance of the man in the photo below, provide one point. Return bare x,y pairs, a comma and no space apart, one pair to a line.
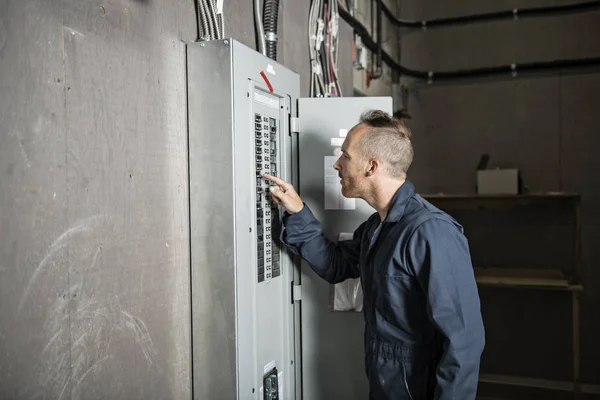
424,334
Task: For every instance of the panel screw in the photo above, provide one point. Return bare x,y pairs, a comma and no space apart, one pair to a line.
226,41
201,44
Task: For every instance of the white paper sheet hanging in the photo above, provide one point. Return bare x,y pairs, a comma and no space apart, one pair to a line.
347,295
334,199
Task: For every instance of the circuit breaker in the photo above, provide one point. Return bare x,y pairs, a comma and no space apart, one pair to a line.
266,133
244,320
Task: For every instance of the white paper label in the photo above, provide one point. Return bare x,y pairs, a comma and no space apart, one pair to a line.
343,133
219,6
337,142
266,100
334,199
270,69
280,385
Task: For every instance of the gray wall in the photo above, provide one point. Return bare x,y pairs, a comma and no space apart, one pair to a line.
94,218
544,125
94,253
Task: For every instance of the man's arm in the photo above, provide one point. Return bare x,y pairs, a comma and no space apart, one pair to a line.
303,235
439,254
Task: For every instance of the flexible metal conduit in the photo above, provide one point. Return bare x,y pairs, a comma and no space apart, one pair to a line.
495,16
506,70
270,15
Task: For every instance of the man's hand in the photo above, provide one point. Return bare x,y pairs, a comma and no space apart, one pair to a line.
285,195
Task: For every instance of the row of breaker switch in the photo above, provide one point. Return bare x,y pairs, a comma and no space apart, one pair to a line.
268,260
272,255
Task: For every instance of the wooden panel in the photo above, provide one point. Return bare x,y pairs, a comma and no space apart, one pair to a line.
466,201
518,277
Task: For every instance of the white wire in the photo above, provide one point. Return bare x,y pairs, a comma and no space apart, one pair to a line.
321,46
262,46
336,50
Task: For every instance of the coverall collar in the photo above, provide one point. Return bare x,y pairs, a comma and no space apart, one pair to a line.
399,201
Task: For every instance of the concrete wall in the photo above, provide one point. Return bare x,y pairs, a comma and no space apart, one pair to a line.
94,218
545,125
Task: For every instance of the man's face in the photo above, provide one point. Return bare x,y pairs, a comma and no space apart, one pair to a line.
351,166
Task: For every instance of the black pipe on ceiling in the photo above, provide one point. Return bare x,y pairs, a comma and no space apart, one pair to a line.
506,70
535,12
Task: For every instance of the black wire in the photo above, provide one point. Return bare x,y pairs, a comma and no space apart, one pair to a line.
325,68
379,70
197,13
369,43
495,16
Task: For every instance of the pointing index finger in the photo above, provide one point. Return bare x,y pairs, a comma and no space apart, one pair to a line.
278,181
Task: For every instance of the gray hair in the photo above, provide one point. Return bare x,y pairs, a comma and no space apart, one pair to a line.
387,139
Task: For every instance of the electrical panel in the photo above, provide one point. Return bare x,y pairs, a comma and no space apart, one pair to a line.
245,292
245,324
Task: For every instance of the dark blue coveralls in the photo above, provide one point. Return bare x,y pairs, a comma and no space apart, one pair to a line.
423,329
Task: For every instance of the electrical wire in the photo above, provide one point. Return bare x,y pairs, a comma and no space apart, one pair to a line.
494,16
210,23
506,70
323,41
206,4
212,8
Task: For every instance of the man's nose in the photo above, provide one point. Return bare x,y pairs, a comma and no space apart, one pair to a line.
336,166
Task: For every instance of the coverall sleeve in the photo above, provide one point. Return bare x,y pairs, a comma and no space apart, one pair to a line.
302,233
438,253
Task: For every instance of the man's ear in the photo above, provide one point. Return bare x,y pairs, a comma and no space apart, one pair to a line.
372,167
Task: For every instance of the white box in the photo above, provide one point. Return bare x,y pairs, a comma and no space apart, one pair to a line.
498,181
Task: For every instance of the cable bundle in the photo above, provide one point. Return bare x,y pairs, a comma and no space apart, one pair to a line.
211,23
323,23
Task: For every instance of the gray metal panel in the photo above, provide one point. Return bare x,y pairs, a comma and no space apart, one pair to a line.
212,221
34,287
127,200
253,348
239,325
332,343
